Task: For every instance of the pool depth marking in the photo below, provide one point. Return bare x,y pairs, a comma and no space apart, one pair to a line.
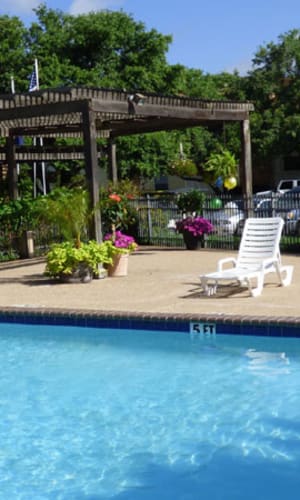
206,330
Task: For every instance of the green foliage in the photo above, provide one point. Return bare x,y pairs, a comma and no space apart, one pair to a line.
69,210
183,167
64,258
146,155
17,216
115,207
7,255
221,164
104,49
191,202
194,83
12,52
274,87
113,50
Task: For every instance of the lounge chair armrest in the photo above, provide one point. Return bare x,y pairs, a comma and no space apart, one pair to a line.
268,262
228,260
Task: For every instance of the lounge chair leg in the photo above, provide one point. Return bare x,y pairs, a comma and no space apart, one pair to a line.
255,292
287,271
212,289
208,289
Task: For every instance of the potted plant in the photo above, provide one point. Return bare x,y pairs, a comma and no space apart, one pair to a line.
191,202
119,247
76,259
73,264
194,230
116,207
69,211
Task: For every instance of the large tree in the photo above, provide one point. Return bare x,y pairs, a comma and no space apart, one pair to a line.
274,86
12,52
112,50
104,49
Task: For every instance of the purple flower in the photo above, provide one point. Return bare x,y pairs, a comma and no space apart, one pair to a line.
195,225
121,240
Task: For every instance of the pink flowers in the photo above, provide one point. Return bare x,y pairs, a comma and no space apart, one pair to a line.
121,241
194,225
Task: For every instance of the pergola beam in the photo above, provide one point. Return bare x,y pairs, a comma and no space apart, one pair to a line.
46,153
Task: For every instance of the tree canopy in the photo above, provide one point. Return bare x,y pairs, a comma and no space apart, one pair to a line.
112,50
274,86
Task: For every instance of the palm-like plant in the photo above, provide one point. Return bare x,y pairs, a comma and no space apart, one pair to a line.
69,210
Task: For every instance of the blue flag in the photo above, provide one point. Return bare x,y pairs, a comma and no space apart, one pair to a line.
33,85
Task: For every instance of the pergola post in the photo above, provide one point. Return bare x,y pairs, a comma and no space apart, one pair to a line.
92,168
246,167
112,158
12,168
246,163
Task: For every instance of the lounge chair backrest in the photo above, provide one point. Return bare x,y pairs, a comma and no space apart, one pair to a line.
260,240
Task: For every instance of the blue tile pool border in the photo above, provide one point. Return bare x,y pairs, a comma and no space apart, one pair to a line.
223,324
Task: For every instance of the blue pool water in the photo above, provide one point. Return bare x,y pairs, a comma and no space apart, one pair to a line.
94,414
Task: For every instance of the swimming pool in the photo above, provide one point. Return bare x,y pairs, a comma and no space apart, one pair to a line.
100,414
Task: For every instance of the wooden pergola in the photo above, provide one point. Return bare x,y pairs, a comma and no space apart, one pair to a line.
91,113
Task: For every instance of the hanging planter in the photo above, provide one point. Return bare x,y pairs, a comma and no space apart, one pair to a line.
223,168
183,167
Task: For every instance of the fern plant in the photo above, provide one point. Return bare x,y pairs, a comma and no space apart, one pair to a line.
222,164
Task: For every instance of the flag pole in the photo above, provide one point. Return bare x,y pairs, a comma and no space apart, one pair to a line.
12,84
36,69
44,186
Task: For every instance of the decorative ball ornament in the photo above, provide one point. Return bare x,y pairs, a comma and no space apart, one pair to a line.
216,203
230,183
219,182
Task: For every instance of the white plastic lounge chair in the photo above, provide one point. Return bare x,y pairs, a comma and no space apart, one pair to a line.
258,255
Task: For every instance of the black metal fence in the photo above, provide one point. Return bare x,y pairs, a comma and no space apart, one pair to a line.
157,216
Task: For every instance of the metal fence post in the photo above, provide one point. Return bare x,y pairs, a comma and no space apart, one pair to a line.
149,219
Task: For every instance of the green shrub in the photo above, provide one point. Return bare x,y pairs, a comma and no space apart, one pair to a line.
64,258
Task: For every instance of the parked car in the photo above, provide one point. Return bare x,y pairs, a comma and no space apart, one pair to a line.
231,219
288,201
262,207
286,206
283,186
292,222
227,219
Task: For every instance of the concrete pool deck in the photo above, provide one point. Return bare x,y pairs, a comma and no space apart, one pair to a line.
160,281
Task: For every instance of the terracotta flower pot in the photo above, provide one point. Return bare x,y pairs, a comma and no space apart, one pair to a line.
119,266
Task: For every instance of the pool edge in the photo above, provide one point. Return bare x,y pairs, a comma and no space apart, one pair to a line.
224,324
